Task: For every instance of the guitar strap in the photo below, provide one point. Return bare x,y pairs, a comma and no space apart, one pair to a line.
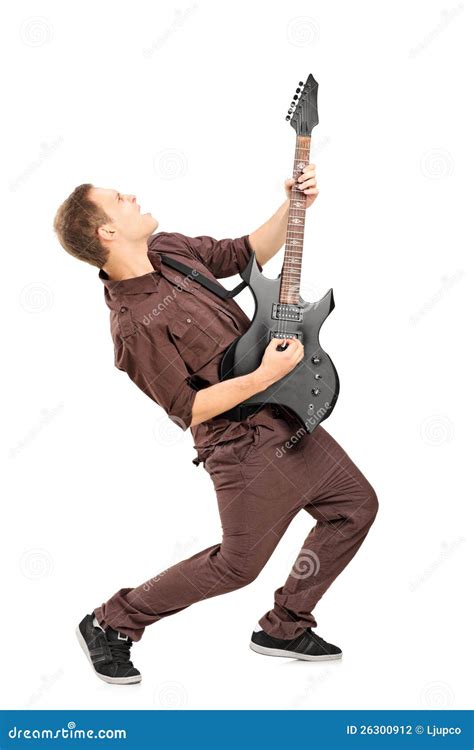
214,287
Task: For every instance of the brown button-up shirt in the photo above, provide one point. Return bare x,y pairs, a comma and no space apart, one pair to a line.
170,332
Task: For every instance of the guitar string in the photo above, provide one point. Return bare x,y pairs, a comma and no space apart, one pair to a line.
281,322
301,156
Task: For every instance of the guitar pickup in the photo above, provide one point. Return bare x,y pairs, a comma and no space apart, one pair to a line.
292,313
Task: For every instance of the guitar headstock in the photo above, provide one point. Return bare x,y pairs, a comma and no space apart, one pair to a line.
303,112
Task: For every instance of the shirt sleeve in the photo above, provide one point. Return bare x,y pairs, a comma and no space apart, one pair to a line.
223,257
159,371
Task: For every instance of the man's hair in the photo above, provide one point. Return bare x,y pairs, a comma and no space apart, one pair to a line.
76,223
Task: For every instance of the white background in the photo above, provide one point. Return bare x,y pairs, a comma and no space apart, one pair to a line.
184,106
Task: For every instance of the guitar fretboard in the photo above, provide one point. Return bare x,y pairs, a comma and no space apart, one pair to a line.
290,279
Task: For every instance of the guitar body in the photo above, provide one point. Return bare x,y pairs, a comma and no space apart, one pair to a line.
311,389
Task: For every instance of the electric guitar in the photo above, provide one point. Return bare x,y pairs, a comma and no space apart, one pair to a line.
311,389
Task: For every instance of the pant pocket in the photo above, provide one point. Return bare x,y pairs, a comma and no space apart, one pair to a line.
226,453
251,451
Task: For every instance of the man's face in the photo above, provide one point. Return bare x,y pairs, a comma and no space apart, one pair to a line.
128,223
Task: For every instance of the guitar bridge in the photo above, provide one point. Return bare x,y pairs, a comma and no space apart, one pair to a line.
281,335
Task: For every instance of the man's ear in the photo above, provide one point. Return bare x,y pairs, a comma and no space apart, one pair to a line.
107,232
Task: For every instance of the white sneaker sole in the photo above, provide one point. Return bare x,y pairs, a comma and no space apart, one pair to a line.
111,680
291,654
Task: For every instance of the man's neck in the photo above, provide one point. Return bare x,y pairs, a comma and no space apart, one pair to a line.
129,263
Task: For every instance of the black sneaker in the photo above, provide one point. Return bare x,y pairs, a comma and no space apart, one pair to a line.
307,646
108,651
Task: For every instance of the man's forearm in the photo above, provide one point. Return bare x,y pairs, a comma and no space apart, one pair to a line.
268,239
215,399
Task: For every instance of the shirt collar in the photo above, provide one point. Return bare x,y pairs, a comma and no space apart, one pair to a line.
148,282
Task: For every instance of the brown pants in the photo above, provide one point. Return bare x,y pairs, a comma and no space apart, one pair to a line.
262,480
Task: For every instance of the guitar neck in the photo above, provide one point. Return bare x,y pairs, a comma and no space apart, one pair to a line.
292,260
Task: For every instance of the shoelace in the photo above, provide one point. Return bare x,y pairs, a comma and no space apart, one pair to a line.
120,651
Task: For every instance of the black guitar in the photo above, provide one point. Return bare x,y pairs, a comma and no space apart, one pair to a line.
311,389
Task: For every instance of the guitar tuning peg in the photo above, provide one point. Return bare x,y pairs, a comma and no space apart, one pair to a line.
298,91
288,117
301,83
295,97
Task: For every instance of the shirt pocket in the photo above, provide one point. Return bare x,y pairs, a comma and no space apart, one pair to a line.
198,341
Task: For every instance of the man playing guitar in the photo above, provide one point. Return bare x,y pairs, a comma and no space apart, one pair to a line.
169,336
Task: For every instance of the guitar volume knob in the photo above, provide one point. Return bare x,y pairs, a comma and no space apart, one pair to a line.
316,360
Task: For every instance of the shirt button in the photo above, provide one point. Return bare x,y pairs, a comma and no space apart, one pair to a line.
188,320
123,309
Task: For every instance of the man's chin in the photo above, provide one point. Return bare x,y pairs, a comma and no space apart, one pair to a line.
151,224
151,221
